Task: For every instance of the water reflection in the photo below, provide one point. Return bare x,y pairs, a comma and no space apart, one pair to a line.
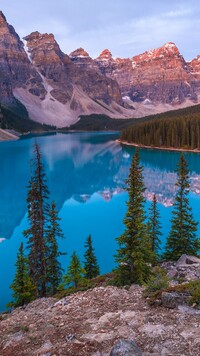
79,165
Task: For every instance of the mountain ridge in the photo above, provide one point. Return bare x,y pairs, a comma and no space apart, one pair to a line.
56,88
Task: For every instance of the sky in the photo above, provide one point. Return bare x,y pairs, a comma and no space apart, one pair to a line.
125,27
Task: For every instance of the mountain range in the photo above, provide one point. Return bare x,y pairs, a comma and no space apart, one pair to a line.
55,88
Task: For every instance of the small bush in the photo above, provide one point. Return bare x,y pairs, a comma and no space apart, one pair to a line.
158,280
194,290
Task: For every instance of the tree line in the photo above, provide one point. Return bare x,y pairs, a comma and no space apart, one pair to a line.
178,132
39,272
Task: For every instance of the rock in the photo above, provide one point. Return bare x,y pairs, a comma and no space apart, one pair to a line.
45,348
187,260
173,300
61,303
100,337
125,348
126,315
153,76
70,337
16,69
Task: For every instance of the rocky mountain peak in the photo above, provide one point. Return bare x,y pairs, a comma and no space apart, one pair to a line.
2,19
7,32
169,50
36,39
105,55
43,48
170,46
79,52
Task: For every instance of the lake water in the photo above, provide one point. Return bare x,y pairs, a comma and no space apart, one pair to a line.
86,175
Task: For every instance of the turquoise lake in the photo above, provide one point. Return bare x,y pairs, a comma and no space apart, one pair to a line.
86,176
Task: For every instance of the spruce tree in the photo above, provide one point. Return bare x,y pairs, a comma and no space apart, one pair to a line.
182,238
154,227
134,253
37,201
54,269
75,272
90,264
22,285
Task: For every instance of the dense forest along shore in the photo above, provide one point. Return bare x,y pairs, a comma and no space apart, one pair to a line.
158,147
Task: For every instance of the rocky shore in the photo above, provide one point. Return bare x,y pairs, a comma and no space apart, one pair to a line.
6,135
92,322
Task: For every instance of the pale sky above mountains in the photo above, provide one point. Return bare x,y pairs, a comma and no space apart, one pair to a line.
125,27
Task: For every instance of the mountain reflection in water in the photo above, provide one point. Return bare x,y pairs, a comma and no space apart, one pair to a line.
79,165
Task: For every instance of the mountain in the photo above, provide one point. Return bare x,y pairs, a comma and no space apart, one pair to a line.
38,74
40,82
159,76
156,81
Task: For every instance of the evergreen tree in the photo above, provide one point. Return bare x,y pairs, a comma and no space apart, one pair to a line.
134,251
182,238
54,269
154,227
22,286
75,272
37,200
90,264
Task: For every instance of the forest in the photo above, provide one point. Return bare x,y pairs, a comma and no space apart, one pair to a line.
179,129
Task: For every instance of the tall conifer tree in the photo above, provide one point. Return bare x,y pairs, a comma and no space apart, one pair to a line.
154,227
182,238
134,251
37,200
90,264
54,269
22,285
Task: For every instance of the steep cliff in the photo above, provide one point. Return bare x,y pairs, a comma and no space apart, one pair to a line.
158,76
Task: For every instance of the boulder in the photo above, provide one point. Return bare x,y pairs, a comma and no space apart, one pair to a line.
187,260
125,348
173,300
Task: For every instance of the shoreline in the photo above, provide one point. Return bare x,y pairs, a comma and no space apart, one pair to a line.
158,148
8,135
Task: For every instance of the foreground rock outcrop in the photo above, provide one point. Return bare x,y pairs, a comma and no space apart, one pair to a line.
92,322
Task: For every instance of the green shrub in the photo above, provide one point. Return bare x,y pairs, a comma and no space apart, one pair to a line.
194,290
158,280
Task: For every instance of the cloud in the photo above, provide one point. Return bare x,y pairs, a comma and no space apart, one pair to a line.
126,28
178,13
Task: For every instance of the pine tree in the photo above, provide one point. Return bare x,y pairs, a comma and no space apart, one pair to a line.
134,251
90,264
75,272
182,238
37,201
54,269
22,286
154,227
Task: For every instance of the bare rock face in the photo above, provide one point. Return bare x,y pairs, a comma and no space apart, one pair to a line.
51,63
195,69
56,88
59,71
15,68
82,59
162,76
46,81
159,76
